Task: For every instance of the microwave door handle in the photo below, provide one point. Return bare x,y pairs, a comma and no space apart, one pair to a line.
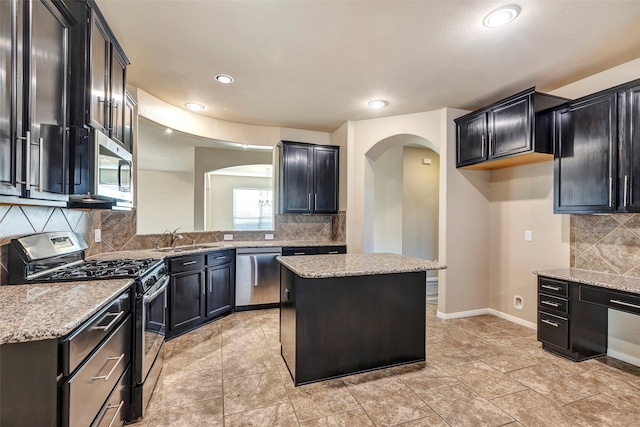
122,163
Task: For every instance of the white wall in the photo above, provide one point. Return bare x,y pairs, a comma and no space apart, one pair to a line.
522,199
388,202
420,193
165,200
220,199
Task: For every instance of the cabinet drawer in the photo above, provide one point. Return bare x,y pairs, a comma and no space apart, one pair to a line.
115,410
185,263
553,330
548,302
219,258
292,251
85,392
77,346
326,250
617,300
553,287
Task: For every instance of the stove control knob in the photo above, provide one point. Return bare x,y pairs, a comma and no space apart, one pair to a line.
162,272
149,282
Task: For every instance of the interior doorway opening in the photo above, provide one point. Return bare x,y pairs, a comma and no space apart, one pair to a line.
403,190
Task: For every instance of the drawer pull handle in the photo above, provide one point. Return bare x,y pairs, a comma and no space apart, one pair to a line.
332,252
553,288
106,377
299,253
552,304
628,304
117,412
221,257
189,262
548,322
113,322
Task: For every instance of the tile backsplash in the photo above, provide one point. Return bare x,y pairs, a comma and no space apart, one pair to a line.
606,243
119,229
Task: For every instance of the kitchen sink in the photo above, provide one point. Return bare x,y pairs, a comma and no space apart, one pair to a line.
185,248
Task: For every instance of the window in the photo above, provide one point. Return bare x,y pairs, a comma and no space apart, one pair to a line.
252,209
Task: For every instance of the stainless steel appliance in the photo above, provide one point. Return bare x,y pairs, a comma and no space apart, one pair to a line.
59,256
102,172
257,278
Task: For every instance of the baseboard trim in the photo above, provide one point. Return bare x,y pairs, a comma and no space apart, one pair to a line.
481,311
623,356
513,319
461,314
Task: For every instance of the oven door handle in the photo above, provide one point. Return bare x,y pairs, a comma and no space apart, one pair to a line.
147,298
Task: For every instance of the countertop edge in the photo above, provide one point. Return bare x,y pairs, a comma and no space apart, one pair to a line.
23,335
323,273
594,278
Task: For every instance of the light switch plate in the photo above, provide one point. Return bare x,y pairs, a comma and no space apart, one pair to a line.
268,237
97,235
528,235
228,237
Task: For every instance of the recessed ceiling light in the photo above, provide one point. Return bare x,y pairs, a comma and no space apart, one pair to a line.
224,79
502,16
376,104
194,106
168,131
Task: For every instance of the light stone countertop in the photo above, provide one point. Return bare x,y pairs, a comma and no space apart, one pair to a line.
594,278
344,265
34,312
208,247
42,311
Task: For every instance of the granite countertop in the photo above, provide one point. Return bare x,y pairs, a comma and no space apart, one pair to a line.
594,278
208,247
34,312
343,265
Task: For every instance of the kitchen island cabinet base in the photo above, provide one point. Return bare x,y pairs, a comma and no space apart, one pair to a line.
332,327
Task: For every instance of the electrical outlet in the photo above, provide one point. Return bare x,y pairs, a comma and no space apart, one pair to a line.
528,235
97,235
268,237
228,237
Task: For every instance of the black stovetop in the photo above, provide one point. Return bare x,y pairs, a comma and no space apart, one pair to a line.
109,269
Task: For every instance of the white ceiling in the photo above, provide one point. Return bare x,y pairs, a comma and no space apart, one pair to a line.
315,64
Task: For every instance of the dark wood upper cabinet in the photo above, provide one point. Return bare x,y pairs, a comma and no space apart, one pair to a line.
98,69
33,79
508,133
597,160
585,138
308,178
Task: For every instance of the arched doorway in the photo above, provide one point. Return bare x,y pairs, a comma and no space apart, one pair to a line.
402,184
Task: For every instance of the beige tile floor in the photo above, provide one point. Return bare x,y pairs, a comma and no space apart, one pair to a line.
480,371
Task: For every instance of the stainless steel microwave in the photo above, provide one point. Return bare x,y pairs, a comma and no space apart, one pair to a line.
103,173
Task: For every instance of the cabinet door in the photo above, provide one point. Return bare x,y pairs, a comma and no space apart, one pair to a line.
129,113
10,121
219,290
48,151
99,72
297,180
116,103
325,179
585,136
630,150
471,140
510,128
185,299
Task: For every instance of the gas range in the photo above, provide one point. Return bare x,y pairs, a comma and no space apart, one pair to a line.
59,257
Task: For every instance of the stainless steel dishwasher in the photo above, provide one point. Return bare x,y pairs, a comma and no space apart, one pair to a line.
257,278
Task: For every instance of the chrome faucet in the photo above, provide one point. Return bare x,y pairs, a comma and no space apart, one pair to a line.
174,236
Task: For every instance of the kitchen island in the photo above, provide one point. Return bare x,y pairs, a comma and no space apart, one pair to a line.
349,313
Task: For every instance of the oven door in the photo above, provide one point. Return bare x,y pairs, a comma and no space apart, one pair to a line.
154,304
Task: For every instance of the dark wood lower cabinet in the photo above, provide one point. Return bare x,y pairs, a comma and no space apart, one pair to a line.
567,324
338,326
186,291
202,288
